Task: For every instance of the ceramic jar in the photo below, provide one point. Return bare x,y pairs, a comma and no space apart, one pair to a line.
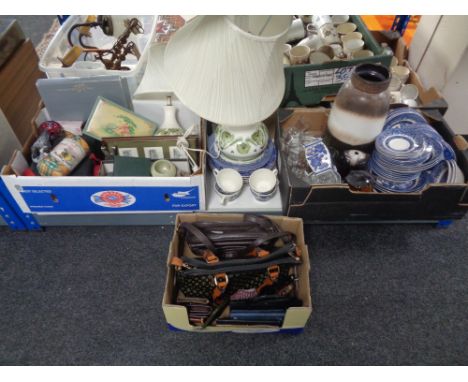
241,144
64,157
360,108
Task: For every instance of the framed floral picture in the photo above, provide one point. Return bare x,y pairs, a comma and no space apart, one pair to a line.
109,120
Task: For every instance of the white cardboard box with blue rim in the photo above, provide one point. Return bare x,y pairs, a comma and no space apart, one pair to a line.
100,195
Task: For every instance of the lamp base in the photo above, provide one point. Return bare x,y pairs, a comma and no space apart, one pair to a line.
241,144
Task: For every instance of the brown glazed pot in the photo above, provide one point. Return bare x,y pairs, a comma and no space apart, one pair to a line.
360,108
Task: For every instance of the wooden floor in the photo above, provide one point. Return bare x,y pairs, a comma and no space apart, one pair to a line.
385,22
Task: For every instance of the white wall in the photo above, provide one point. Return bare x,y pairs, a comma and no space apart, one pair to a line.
439,53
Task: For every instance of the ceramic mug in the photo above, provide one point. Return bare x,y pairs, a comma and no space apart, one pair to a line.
299,55
409,92
263,184
402,72
339,19
228,184
163,168
395,84
352,46
296,31
350,36
365,53
346,28
318,58
313,41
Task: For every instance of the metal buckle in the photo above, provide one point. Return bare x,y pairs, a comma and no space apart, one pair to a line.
273,272
221,280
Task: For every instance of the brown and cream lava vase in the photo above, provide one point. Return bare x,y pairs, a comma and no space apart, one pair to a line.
360,108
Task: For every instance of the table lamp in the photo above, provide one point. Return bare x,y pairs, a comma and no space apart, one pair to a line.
229,70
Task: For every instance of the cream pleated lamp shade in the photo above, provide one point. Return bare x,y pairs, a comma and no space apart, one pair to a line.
228,69
154,85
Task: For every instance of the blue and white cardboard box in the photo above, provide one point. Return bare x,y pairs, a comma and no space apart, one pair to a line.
110,195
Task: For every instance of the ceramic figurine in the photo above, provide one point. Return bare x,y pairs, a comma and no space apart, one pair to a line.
241,143
350,160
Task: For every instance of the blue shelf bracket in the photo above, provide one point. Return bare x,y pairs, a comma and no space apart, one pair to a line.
400,23
11,212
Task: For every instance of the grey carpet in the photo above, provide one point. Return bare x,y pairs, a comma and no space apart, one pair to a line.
33,27
382,294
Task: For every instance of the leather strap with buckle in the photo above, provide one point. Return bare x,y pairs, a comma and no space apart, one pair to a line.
273,273
210,257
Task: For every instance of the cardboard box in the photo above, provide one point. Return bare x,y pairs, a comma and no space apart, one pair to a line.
295,318
78,195
19,97
338,203
310,84
246,201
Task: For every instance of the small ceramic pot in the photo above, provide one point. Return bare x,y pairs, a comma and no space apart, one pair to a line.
228,184
299,55
263,184
163,168
241,143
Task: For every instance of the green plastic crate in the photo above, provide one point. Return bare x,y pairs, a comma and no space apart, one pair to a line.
308,84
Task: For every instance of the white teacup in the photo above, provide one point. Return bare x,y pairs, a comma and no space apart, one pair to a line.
228,184
263,184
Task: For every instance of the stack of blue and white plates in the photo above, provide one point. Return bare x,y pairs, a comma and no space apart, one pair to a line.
266,160
409,154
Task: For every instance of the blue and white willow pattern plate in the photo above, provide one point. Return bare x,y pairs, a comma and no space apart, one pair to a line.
409,154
